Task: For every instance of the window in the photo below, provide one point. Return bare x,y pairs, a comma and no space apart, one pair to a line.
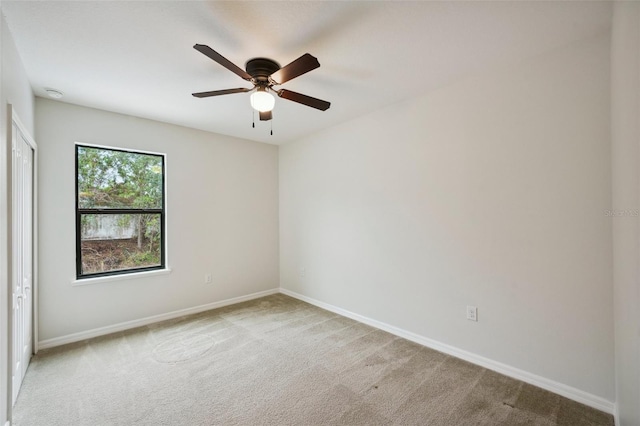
120,211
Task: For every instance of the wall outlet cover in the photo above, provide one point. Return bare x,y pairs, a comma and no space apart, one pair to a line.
472,313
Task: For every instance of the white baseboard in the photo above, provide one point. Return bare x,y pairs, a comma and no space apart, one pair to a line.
83,335
533,379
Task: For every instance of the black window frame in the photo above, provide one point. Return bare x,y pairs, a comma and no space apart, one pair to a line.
114,211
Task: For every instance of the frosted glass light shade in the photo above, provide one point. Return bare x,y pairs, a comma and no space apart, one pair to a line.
262,100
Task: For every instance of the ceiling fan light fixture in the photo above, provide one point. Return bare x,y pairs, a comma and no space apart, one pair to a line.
262,100
264,73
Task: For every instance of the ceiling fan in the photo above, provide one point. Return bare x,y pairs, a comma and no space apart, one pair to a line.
265,73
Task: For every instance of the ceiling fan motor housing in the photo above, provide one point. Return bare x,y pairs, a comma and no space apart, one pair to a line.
261,68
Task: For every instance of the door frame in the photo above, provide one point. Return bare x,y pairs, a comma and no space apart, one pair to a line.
14,119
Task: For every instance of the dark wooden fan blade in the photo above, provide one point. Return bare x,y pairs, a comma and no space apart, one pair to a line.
220,92
206,50
266,116
302,65
304,99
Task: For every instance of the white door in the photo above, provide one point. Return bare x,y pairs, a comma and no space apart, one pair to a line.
27,253
22,183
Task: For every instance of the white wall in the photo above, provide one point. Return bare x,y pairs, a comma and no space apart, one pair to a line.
227,186
625,130
490,192
16,90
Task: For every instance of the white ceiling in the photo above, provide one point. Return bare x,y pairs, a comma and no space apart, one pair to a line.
137,58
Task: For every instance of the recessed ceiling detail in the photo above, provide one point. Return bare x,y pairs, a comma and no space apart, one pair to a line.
53,93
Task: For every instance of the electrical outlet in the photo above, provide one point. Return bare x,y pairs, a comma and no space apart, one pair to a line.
208,279
303,272
472,313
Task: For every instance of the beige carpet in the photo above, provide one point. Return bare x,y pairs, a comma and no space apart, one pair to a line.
275,361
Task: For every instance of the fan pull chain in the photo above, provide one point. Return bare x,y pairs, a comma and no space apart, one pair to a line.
271,126
253,117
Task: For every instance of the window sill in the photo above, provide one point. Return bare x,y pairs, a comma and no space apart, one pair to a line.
121,277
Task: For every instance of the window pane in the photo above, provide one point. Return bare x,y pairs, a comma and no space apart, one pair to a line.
115,242
109,179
